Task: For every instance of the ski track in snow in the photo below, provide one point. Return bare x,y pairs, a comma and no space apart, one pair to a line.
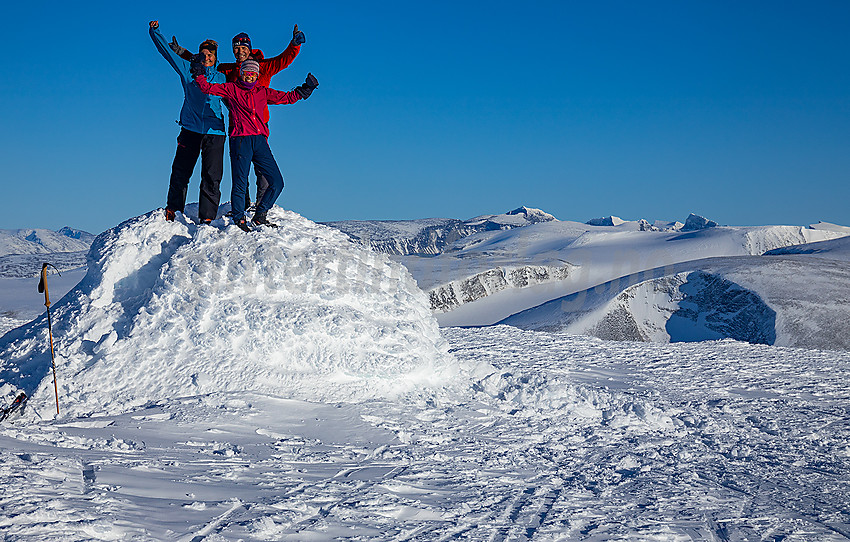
571,438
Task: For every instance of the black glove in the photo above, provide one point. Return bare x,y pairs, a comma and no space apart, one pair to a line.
177,48
197,66
299,38
309,85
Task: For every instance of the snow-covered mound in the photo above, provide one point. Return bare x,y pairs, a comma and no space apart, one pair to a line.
40,241
171,309
786,301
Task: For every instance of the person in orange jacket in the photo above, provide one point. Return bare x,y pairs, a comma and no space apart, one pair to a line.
242,51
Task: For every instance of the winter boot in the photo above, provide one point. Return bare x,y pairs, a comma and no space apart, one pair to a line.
243,225
169,214
261,220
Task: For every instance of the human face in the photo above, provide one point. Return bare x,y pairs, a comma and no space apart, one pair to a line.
209,58
241,53
250,77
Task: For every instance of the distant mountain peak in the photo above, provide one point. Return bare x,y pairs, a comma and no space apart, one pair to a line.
606,221
696,222
68,231
531,214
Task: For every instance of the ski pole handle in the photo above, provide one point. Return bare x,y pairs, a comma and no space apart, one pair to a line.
42,284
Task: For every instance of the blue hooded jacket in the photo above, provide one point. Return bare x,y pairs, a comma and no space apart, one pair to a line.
201,113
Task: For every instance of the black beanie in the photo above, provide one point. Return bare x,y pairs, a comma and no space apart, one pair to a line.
242,39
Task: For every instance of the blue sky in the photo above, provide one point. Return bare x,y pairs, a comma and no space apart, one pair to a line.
739,111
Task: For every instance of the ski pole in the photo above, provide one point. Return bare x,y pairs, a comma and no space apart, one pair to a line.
42,287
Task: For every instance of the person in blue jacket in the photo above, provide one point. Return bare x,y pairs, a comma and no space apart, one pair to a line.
201,132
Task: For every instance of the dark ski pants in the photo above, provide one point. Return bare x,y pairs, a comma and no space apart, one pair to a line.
262,186
245,150
211,149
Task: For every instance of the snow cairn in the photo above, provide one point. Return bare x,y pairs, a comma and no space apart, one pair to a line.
172,309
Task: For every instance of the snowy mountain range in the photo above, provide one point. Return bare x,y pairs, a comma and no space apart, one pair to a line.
563,257
40,241
22,251
432,235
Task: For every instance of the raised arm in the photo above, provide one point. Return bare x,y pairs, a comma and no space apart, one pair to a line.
273,65
224,90
277,97
298,93
180,66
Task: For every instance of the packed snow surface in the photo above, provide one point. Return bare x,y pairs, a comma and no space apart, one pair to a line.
170,309
564,438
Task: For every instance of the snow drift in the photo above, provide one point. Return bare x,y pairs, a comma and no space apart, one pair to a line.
174,309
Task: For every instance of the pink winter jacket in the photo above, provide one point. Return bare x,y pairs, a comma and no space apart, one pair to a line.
247,107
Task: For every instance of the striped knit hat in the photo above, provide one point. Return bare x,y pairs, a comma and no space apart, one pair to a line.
249,66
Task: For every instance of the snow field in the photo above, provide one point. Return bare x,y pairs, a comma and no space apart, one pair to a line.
563,438
171,309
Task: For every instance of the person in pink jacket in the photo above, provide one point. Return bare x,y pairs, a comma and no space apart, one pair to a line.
248,104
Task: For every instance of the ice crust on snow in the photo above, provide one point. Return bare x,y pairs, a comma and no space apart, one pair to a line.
173,309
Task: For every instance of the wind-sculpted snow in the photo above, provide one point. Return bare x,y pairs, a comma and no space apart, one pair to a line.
788,301
172,309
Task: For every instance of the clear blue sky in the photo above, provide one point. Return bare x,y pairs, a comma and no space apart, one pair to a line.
739,111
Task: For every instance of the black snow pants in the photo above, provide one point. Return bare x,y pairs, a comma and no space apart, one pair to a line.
211,149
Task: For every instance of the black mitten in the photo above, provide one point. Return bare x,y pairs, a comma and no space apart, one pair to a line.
309,85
